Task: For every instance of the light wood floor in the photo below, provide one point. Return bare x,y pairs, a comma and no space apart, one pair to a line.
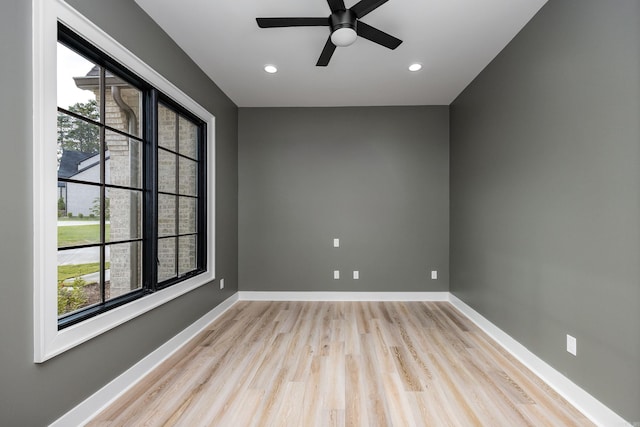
341,363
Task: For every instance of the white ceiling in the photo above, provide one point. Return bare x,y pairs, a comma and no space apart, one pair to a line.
453,39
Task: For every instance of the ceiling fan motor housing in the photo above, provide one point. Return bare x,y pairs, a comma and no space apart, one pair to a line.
343,19
343,27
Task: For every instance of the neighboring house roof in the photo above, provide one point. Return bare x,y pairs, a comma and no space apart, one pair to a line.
95,71
70,161
90,81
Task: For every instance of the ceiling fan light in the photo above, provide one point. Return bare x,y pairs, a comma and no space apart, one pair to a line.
343,37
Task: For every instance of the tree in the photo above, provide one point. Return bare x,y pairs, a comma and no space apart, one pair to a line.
78,135
62,206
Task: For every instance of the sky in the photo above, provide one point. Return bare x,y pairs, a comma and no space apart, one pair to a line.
71,65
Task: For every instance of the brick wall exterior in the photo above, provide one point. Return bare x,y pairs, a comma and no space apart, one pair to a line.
186,185
125,206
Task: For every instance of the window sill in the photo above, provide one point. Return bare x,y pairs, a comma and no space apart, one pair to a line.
90,328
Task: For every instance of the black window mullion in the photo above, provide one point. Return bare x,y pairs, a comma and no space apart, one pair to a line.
99,123
150,207
178,154
201,191
119,242
103,174
84,246
177,197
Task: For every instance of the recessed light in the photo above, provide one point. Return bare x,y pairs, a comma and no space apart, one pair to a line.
270,69
415,67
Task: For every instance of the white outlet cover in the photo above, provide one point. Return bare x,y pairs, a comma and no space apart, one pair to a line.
434,274
336,243
572,345
221,283
356,274
336,274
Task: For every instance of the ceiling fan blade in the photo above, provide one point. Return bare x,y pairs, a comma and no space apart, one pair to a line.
365,6
336,5
377,36
325,56
292,22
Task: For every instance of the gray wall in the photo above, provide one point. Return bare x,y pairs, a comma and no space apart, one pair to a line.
35,395
377,178
545,237
545,186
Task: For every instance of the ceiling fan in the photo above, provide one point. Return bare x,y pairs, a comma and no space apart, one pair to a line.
345,26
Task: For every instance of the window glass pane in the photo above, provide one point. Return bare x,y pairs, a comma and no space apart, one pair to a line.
166,171
123,214
188,214
123,160
78,83
123,107
166,128
166,215
166,258
80,223
186,254
78,279
78,149
124,269
188,138
187,172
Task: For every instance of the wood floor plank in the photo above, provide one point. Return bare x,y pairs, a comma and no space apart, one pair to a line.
333,370
377,406
244,410
398,401
313,394
341,364
356,403
290,411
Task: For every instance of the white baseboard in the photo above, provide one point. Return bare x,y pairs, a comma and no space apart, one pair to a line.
583,401
90,407
343,296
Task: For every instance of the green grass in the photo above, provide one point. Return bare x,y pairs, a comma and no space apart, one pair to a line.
70,271
80,234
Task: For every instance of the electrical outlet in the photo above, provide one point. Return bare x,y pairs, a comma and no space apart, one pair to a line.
572,345
356,274
221,283
336,243
434,274
336,274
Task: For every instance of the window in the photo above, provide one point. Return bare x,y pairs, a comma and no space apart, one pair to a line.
179,201
131,175
123,201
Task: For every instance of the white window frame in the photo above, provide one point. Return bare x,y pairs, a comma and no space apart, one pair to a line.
48,340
